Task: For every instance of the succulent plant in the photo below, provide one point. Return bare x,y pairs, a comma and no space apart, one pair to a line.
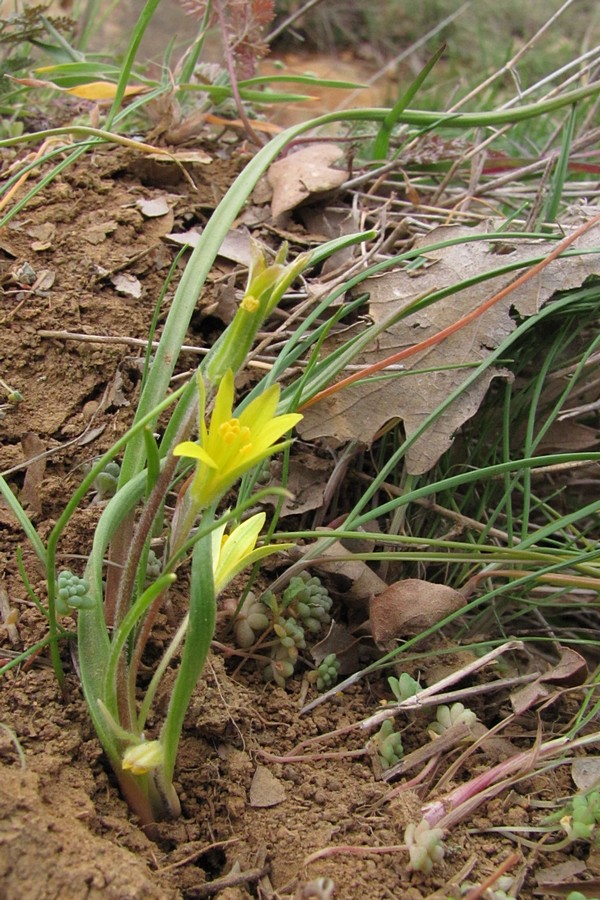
106,482
304,607
72,593
403,687
252,619
584,815
448,716
389,745
308,599
424,846
153,567
326,673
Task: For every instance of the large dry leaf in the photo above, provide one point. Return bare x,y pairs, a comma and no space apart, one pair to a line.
409,607
301,174
360,410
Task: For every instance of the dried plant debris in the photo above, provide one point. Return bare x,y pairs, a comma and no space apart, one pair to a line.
430,376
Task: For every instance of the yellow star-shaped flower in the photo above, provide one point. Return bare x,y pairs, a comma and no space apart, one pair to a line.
236,551
230,446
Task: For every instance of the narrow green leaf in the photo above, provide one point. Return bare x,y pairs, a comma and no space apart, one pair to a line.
382,141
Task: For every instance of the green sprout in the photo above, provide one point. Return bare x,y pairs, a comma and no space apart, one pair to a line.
13,395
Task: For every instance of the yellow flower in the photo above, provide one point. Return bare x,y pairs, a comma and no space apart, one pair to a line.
233,552
231,446
142,758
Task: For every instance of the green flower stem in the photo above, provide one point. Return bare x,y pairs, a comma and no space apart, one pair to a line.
122,634
202,618
136,540
159,672
63,520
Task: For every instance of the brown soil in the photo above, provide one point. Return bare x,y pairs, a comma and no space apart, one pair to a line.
64,829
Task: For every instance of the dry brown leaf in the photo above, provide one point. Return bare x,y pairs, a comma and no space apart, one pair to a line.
301,174
569,437
156,207
182,238
265,789
570,671
409,607
127,284
531,695
585,772
562,875
360,410
352,578
306,482
97,234
237,246
341,642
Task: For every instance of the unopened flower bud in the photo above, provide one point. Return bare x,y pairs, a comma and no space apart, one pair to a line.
142,758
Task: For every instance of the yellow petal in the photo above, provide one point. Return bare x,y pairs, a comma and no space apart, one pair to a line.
194,451
103,90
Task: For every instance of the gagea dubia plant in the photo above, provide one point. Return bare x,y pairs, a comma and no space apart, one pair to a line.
166,509
119,602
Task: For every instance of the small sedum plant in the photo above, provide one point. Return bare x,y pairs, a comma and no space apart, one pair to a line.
403,687
424,846
106,481
502,889
449,716
582,818
326,673
389,745
72,593
303,608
